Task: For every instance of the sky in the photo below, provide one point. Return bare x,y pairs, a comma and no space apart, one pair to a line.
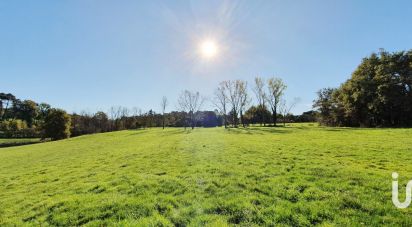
89,55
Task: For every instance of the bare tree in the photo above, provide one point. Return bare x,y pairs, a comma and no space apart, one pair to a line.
135,116
125,112
163,105
285,108
244,100
234,91
190,103
276,87
260,96
115,114
135,111
221,100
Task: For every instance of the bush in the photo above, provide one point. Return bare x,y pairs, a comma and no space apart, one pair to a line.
16,128
57,125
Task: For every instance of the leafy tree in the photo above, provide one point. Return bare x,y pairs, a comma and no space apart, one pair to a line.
29,112
5,102
43,111
378,94
308,116
12,127
57,125
254,114
100,121
325,105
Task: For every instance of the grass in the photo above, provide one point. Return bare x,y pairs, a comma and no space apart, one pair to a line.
295,176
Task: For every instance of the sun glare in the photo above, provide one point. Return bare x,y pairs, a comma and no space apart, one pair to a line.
208,49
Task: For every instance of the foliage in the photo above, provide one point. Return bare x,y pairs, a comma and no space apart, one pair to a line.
87,124
295,176
57,125
21,119
255,114
6,99
12,125
308,116
16,128
26,110
379,93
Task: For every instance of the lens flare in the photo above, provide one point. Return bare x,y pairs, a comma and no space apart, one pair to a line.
208,49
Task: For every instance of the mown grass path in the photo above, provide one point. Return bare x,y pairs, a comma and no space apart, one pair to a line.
298,175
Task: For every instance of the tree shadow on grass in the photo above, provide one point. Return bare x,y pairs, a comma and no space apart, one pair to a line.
136,132
176,131
163,133
330,129
15,144
259,131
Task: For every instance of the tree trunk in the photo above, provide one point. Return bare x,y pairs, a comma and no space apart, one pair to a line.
263,118
274,117
193,120
235,118
263,114
242,120
5,110
225,117
1,110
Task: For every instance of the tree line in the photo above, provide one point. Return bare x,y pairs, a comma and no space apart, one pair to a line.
28,119
232,101
378,94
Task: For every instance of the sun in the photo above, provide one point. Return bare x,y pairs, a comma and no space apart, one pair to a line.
208,49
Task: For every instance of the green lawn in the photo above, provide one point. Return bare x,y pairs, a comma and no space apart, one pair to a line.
298,175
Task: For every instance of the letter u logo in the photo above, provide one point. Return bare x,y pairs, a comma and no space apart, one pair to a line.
395,192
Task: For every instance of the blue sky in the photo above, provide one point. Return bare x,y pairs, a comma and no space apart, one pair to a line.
90,55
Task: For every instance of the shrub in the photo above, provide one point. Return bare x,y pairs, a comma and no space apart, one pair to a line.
13,128
57,125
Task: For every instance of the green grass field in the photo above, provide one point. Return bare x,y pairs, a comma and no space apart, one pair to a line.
298,175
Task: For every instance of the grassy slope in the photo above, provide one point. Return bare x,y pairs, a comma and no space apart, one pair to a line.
294,176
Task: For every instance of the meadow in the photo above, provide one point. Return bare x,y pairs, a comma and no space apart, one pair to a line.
298,175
